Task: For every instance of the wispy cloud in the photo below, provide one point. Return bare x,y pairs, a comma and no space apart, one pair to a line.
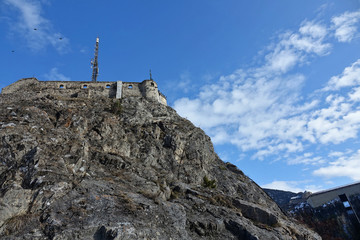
337,122
184,84
55,75
349,77
261,109
345,25
36,30
295,47
307,159
248,108
344,166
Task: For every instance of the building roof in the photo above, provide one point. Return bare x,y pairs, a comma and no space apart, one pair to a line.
335,189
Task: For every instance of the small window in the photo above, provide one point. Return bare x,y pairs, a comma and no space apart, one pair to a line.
61,86
346,204
130,87
152,84
85,86
108,86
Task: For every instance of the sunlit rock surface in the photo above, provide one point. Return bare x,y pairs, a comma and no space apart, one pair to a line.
73,168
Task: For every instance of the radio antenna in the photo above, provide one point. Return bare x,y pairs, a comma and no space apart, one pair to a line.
94,62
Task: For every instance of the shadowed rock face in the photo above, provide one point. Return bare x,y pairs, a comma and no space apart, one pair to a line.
101,169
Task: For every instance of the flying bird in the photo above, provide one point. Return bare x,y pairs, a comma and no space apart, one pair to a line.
35,29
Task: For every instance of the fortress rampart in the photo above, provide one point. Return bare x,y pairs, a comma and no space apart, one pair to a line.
147,89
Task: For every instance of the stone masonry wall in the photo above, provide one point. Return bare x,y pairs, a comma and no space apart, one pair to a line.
147,89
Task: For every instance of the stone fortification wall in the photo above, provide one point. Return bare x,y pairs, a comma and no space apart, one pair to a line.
79,89
320,198
147,89
162,99
63,88
132,89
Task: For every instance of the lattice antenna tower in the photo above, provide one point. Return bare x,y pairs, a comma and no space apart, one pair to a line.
94,62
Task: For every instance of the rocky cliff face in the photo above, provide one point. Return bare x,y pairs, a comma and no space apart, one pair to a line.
129,169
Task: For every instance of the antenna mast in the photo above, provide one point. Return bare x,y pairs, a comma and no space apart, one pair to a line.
94,62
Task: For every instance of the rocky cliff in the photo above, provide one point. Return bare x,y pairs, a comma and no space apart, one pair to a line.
74,168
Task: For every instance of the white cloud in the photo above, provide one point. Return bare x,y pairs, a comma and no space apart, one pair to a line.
313,30
55,75
282,60
344,166
345,26
335,123
292,186
261,109
355,94
220,136
349,77
335,154
314,188
250,112
295,47
34,28
311,38
307,159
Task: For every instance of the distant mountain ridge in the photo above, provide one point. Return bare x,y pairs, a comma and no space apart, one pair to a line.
282,198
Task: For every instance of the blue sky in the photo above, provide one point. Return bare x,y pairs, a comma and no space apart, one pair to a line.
275,84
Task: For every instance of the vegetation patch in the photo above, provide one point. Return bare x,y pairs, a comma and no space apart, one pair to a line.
223,168
149,195
129,203
116,108
176,193
209,183
221,200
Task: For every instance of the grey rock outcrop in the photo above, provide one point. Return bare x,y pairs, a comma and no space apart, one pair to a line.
101,168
